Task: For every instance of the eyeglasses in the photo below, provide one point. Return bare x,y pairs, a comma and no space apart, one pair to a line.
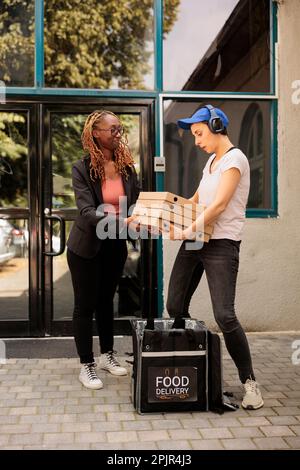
113,130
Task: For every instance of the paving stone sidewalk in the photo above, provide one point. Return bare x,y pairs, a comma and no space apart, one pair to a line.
43,406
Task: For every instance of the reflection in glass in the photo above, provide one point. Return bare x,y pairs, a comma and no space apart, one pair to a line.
127,300
131,124
14,279
66,149
13,160
99,44
220,45
251,139
249,129
17,42
63,302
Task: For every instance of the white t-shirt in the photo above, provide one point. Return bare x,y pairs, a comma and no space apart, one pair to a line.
231,222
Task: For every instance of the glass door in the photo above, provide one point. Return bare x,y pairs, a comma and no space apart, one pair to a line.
19,221
136,293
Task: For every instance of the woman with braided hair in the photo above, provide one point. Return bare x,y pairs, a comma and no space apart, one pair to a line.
96,264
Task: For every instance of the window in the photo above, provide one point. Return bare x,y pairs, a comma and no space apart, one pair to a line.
249,128
17,42
99,44
13,159
220,45
14,269
224,56
252,142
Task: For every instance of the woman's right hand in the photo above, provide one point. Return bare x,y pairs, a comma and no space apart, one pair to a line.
130,219
133,220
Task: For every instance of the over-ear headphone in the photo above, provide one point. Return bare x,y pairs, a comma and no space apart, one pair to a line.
215,123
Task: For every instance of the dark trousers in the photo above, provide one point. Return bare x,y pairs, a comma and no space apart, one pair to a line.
94,282
220,261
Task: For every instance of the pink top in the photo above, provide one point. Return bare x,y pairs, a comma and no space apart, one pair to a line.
111,191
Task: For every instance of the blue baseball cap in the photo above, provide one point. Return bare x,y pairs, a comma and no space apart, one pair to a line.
202,114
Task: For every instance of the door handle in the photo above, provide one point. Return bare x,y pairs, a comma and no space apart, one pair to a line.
62,234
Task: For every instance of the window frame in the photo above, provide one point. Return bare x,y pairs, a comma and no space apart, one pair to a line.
271,96
272,211
158,94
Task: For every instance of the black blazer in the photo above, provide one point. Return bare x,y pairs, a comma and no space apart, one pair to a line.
83,240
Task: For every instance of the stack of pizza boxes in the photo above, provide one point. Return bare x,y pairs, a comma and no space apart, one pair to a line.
160,209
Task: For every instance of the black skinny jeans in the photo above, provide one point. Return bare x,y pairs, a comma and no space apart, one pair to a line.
94,282
220,260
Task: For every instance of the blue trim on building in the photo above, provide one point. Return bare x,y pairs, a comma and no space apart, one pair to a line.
221,93
158,42
39,46
260,213
131,93
81,92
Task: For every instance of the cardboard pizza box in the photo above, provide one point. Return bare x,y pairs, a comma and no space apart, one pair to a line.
180,220
161,207
164,225
168,198
182,210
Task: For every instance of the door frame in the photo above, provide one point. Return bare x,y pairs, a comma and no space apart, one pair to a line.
28,327
40,322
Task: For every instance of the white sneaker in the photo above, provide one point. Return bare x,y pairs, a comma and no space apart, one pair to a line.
252,399
111,364
88,376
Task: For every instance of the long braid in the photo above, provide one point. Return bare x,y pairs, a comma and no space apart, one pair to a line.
123,157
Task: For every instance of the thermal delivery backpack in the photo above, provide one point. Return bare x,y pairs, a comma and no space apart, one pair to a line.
177,368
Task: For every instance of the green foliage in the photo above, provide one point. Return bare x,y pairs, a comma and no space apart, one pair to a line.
66,148
13,150
170,15
66,143
17,42
88,44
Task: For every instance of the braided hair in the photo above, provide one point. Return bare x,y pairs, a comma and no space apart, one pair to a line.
123,157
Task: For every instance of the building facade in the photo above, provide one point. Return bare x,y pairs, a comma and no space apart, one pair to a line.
150,62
